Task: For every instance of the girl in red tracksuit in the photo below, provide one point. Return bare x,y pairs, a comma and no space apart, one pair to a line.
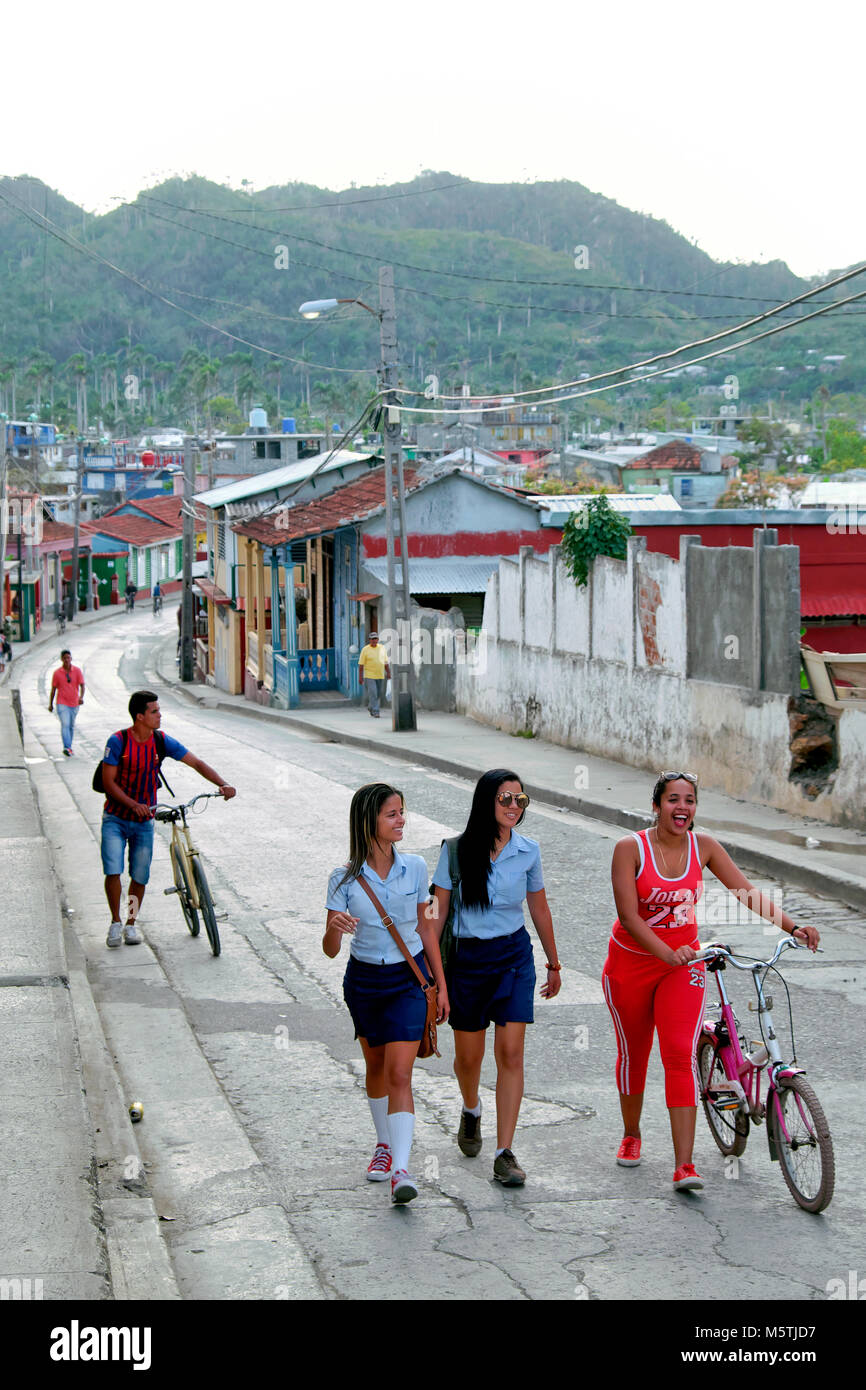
649,983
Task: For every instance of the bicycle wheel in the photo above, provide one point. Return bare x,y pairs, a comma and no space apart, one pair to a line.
206,904
806,1156
183,891
729,1128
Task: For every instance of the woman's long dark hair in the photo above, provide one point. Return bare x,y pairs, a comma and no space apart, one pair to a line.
363,821
478,840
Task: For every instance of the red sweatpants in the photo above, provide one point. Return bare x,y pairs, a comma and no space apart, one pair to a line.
645,995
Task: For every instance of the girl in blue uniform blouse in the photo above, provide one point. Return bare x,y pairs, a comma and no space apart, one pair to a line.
490,974
381,991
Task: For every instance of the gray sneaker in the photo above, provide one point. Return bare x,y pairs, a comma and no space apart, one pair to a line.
507,1170
131,935
115,935
469,1134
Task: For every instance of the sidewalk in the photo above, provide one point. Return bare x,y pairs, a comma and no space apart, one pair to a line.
77,1223
762,840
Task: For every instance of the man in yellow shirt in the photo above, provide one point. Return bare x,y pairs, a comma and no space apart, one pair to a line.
374,670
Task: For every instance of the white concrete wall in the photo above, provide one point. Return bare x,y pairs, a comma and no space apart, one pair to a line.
610,699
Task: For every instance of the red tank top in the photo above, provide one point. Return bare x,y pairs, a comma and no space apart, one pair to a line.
665,904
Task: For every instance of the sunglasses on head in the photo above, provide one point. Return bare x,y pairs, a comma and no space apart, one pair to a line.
519,798
675,777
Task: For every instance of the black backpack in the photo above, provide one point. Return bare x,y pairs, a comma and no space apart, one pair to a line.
159,741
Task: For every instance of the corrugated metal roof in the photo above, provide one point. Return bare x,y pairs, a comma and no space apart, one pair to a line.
556,508
848,604
259,483
452,574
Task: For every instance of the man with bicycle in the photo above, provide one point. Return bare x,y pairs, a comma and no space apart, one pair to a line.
157,597
130,775
131,591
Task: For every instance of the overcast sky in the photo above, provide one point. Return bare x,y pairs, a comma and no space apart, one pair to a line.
738,123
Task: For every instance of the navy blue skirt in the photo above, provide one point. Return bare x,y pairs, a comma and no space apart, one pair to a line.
491,981
386,1001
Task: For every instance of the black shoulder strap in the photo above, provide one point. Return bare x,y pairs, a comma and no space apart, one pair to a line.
453,860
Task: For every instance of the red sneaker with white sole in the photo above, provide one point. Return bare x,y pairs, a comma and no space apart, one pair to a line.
628,1153
380,1164
686,1179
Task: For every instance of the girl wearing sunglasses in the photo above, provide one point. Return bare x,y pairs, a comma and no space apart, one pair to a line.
490,971
649,983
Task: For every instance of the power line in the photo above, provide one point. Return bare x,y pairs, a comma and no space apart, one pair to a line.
357,202
661,371
698,342
467,275
67,239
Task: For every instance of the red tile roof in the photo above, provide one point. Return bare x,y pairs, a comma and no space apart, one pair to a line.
135,530
677,455
850,603
352,502
57,533
166,509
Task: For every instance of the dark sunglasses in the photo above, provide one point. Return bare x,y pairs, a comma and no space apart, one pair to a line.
519,798
675,777
69,677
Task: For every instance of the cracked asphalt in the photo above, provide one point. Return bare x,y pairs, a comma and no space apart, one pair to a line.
256,1132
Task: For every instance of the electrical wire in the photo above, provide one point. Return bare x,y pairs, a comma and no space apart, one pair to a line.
661,371
66,239
357,202
698,342
462,274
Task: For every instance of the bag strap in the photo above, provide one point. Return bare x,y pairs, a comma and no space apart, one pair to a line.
388,922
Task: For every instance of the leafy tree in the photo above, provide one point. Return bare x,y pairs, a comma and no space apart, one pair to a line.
595,530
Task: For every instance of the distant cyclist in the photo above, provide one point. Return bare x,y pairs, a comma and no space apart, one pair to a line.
157,597
131,591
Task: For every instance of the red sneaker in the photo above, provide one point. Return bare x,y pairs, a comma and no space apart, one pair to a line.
628,1153
685,1178
380,1164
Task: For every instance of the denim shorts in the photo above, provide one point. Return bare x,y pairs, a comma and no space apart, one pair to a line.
386,1001
491,981
116,835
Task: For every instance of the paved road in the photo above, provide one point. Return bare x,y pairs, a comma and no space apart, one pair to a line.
256,1131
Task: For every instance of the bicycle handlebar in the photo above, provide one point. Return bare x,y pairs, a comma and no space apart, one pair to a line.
170,813
716,949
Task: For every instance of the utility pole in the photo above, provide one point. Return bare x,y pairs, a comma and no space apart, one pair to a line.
79,475
403,714
186,632
4,515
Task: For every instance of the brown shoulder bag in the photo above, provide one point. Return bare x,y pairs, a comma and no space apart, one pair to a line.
427,1046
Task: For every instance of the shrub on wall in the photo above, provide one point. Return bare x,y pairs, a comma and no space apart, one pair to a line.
594,530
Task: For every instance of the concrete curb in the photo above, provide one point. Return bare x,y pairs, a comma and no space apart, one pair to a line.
139,1266
752,855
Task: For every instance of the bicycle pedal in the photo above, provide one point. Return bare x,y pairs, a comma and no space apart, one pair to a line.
166,891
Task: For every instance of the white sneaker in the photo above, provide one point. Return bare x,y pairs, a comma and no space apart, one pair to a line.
115,935
403,1188
131,935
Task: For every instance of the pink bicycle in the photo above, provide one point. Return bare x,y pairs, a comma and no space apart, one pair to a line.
730,1077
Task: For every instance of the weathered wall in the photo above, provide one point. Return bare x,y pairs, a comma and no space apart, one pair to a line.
603,669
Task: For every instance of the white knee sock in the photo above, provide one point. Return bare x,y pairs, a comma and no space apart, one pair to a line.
401,1125
379,1110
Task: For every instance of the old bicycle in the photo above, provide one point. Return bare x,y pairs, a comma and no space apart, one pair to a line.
730,1081
190,880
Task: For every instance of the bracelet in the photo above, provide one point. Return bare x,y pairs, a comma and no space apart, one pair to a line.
553,967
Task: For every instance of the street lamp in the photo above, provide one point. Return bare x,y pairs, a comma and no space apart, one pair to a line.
403,714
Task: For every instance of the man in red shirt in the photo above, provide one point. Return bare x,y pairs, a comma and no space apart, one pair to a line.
67,684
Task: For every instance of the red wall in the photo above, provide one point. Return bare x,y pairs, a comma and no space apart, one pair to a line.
468,543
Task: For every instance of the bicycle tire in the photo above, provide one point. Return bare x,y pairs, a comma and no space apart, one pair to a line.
812,1177
207,908
732,1134
184,892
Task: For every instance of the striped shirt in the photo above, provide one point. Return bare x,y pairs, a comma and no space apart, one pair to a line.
138,770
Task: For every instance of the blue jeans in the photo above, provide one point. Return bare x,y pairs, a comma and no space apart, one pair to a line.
117,833
67,715
375,693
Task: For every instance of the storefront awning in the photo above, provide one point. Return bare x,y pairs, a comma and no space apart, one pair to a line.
210,590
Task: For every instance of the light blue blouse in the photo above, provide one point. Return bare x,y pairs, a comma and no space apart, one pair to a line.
515,871
400,893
